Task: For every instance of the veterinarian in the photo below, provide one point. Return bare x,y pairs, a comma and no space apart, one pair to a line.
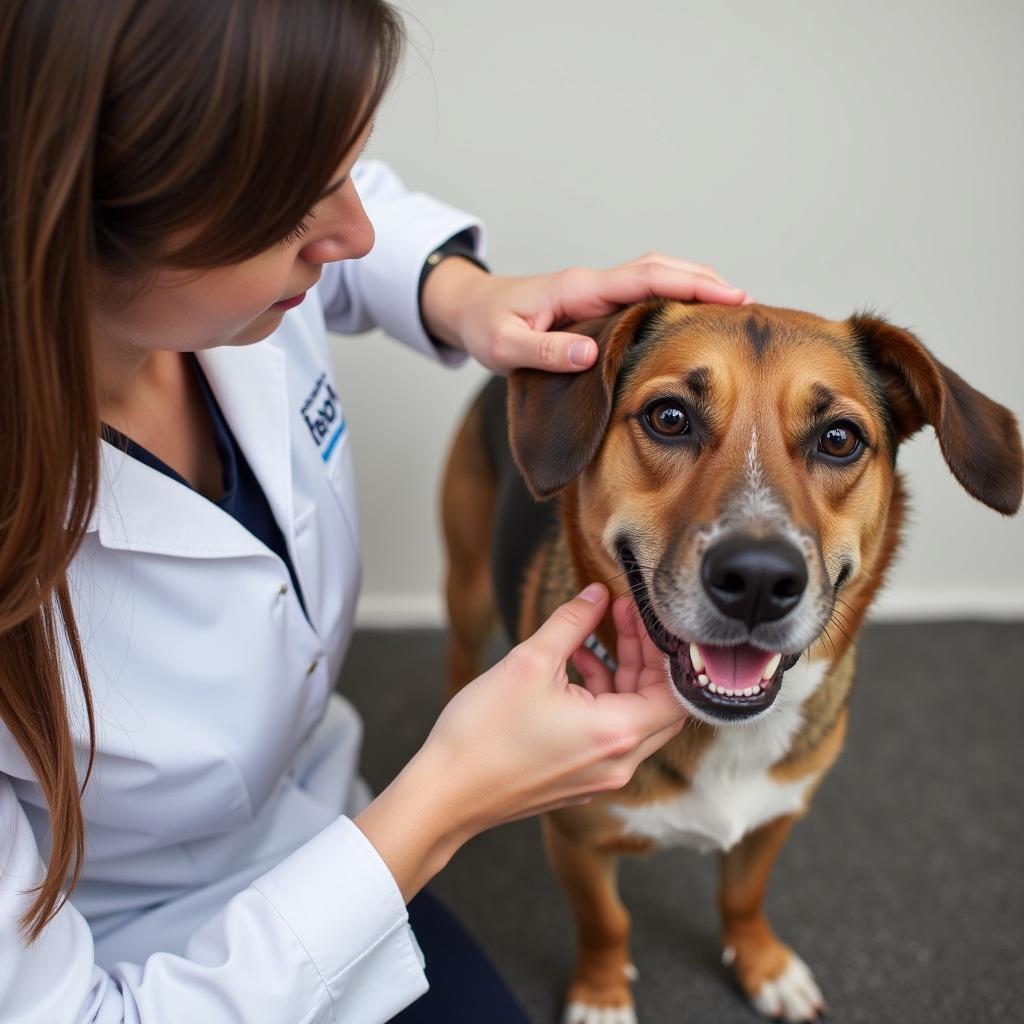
183,220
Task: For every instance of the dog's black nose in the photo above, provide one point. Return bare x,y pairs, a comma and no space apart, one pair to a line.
754,579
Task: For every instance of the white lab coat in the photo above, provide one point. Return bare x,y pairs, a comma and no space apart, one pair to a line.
223,881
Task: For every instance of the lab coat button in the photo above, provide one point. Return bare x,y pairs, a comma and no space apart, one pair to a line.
283,589
312,666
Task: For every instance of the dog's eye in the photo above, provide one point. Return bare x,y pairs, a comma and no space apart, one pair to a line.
668,419
839,441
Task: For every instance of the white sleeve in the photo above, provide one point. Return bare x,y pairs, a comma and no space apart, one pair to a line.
382,288
323,936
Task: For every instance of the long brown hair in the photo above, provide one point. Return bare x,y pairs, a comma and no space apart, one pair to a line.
122,122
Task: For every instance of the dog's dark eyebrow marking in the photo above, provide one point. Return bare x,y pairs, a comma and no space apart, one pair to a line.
759,333
698,381
821,400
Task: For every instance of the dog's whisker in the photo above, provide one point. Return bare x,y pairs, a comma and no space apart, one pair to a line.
836,611
841,626
831,642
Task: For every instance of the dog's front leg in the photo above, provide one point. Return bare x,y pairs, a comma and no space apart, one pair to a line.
775,979
600,988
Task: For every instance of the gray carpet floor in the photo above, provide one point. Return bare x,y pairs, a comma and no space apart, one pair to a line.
903,888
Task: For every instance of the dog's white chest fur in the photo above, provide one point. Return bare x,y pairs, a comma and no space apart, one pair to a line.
732,791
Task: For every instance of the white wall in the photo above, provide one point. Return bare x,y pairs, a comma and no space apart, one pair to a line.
824,156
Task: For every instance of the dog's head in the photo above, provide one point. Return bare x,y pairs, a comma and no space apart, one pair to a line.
735,468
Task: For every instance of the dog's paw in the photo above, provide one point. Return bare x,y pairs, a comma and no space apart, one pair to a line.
583,1013
586,1004
792,995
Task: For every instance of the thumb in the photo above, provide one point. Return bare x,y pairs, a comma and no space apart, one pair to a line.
571,623
555,351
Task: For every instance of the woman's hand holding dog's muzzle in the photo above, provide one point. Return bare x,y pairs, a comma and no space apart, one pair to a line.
522,739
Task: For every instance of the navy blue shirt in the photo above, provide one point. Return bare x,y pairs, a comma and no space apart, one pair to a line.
243,498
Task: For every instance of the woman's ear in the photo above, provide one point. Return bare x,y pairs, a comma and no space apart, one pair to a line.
979,438
558,420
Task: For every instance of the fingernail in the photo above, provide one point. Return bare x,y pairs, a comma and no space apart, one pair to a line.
580,353
592,593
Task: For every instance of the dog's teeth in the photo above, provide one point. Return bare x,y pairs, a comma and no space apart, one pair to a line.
702,679
769,669
748,692
712,688
698,661
755,690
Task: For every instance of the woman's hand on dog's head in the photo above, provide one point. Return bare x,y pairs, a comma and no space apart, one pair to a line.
508,323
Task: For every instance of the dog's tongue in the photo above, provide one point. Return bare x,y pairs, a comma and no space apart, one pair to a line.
734,668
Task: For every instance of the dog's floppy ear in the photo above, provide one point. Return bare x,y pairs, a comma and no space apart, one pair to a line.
556,421
979,438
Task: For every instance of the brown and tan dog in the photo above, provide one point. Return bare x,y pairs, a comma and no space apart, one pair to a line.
734,467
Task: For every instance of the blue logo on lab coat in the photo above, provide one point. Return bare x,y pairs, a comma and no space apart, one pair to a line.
322,412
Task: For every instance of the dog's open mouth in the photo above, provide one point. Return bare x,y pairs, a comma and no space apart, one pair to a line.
728,683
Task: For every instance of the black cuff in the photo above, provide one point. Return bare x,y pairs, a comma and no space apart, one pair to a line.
458,245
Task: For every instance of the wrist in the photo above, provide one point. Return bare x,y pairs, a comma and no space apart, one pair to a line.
415,824
443,299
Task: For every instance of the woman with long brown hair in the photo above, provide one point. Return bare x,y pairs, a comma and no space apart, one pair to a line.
182,832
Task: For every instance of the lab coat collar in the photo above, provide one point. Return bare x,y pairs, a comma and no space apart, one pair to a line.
141,509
